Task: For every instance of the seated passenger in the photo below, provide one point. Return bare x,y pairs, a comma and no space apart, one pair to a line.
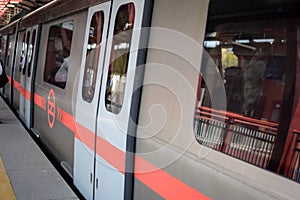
234,89
62,74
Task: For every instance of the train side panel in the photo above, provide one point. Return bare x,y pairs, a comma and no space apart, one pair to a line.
54,100
86,117
168,154
168,75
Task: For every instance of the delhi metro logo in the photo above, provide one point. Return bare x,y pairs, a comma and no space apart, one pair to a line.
51,108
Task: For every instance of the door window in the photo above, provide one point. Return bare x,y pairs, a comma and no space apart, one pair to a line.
2,49
23,51
92,56
120,51
26,53
31,52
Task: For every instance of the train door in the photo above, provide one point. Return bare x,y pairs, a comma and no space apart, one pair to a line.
9,66
115,99
17,71
26,75
100,144
87,98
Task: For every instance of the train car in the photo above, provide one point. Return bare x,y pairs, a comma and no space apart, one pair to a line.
8,41
162,99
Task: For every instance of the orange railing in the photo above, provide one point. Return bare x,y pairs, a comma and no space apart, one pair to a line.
290,162
248,139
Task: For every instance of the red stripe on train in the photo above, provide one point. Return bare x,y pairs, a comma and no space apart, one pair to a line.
111,154
163,183
106,150
67,120
85,136
25,93
40,101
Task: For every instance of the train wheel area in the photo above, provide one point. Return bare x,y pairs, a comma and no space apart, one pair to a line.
25,171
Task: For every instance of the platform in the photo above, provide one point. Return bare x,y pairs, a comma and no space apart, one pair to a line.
25,172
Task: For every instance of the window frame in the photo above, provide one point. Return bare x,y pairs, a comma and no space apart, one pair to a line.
48,29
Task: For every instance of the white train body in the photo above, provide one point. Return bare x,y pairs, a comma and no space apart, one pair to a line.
123,123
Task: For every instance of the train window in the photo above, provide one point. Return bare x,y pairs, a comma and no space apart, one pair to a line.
23,50
92,56
9,39
26,53
30,53
58,52
3,49
251,57
120,52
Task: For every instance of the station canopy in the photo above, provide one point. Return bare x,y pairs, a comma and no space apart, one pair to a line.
13,9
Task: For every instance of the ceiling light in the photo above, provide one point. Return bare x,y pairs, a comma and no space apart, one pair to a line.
242,41
264,40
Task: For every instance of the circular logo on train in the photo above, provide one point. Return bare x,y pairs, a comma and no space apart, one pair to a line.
51,108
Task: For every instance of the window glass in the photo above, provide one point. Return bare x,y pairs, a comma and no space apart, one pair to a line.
116,79
26,53
30,53
92,56
250,57
3,49
9,38
58,52
23,51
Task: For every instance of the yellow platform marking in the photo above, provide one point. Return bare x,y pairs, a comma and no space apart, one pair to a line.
6,191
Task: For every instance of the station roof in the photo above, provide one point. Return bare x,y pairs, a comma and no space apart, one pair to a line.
12,9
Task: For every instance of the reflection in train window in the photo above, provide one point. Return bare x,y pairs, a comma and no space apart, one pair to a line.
58,52
30,53
251,58
26,53
92,56
9,51
2,49
120,52
22,50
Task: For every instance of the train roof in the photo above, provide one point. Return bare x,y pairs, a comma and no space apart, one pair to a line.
54,10
10,28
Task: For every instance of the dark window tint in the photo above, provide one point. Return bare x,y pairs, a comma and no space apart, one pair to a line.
3,44
26,53
22,48
9,51
31,52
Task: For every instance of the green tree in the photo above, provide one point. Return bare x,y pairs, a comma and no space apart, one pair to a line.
228,59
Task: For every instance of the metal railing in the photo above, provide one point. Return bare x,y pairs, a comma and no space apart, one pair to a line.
245,138
293,165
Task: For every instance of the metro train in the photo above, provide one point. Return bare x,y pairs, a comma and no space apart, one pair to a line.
162,99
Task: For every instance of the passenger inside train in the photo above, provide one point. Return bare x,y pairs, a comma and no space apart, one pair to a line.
62,74
57,57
